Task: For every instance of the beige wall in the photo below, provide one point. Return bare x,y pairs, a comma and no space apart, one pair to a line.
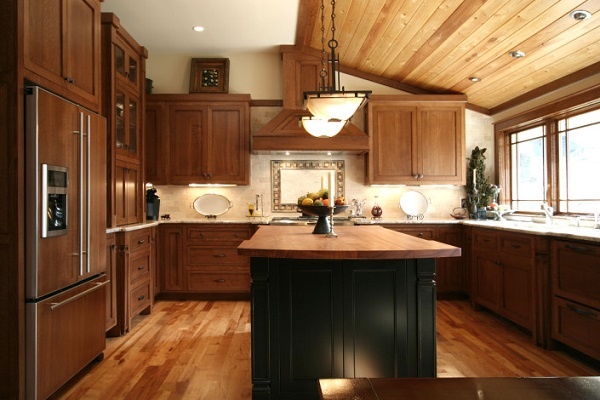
261,77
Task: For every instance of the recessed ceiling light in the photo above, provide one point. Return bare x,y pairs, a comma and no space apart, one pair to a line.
580,15
198,28
516,54
474,79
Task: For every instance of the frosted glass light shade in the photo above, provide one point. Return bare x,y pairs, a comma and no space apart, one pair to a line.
334,106
322,128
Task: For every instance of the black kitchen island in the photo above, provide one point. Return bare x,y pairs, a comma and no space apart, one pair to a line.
359,305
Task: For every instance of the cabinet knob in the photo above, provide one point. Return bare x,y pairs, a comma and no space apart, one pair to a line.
220,280
69,79
142,297
141,267
420,234
141,241
219,255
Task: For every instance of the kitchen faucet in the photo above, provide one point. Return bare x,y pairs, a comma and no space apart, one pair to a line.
548,212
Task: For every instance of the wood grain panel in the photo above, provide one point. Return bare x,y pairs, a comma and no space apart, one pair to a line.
437,45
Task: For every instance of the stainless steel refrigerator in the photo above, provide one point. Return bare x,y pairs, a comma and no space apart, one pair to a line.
65,220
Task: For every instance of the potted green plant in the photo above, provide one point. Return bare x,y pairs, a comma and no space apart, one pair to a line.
479,191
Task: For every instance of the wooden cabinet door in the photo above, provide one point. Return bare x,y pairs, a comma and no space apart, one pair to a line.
487,274
128,193
441,144
96,133
186,144
311,328
127,125
111,277
81,55
62,48
394,150
227,145
171,259
416,140
450,271
517,291
155,145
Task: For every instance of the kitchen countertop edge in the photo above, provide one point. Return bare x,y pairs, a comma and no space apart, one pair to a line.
566,232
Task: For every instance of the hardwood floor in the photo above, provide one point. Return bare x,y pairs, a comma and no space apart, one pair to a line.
201,350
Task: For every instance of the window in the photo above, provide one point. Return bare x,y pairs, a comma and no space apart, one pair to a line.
555,160
528,161
579,163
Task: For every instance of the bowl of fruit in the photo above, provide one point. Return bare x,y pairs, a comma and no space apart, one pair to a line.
318,204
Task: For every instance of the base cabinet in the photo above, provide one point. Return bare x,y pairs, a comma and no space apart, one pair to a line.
450,272
111,277
339,319
504,279
202,259
135,280
576,298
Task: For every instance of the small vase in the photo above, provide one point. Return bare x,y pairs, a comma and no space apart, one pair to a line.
376,211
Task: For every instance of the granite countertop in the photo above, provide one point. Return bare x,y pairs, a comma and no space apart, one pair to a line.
369,242
555,230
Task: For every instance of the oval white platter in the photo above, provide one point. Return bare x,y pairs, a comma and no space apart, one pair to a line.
212,204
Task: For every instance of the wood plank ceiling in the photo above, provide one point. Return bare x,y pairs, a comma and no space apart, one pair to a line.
435,46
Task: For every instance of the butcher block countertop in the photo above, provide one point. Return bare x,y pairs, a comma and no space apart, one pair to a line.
367,242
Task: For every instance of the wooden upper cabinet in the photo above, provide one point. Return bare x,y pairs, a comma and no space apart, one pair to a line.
416,139
62,48
206,139
123,106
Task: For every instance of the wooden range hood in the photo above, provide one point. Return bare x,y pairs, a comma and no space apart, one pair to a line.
285,132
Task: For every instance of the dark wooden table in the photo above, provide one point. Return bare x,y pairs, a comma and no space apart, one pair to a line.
572,388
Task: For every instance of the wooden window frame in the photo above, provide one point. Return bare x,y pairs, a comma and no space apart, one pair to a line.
547,115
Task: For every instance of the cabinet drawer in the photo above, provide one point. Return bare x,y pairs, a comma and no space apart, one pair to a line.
217,234
484,240
518,245
218,282
577,326
140,239
198,255
424,232
139,266
576,272
139,298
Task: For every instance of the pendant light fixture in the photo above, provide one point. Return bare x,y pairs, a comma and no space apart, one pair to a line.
330,106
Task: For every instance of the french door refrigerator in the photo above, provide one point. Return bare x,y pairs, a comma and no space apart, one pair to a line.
65,228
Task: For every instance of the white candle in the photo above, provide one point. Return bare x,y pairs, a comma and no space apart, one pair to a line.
322,182
474,177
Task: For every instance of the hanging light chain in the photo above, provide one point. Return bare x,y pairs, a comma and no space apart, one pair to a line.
323,74
333,24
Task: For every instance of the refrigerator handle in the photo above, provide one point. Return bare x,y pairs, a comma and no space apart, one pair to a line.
89,192
81,191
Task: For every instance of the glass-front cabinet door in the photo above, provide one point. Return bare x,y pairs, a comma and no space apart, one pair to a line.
127,115
126,65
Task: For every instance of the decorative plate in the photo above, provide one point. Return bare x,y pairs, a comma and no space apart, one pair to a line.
211,204
414,204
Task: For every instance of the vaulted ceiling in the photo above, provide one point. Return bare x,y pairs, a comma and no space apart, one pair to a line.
431,46
437,45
